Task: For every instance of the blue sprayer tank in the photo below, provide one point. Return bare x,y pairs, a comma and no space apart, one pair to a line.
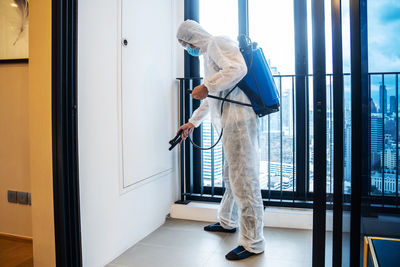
258,84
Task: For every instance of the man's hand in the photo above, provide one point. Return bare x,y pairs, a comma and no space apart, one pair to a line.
186,130
200,92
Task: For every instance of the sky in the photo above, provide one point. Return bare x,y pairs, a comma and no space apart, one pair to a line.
384,35
271,26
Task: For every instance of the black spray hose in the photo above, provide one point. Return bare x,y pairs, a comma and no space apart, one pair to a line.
222,109
178,138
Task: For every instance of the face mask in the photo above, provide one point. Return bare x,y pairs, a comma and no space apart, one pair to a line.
193,51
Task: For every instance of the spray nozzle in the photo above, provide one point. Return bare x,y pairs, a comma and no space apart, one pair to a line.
176,140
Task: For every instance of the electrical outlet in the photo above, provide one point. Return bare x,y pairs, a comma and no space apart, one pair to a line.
12,196
22,198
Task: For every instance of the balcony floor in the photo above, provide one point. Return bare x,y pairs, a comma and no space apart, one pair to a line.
184,243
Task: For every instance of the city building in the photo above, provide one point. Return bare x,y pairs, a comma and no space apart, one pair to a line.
376,139
212,160
383,96
390,158
389,184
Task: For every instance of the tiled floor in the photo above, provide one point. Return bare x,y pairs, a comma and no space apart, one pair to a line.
181,243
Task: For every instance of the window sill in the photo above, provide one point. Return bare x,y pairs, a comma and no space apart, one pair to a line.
281,217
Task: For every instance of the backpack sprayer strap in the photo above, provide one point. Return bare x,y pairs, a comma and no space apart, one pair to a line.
226,100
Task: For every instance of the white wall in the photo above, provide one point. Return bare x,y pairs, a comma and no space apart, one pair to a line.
112,219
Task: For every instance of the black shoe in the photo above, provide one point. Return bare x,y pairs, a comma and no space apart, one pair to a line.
216,227
239,253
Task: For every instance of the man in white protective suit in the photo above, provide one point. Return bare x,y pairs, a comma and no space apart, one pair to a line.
241,204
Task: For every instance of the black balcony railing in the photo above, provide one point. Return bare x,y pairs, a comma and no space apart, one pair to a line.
384,136
201,179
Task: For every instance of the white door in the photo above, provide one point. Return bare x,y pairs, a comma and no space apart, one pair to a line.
146,89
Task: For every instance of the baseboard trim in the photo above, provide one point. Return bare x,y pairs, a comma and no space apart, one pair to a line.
280,217
16,237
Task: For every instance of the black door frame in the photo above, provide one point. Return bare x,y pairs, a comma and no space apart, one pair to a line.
360,169
319,112
64,131
338,120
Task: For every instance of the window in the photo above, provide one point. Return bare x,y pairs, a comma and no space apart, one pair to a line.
384,65
277,130
218,18
271,25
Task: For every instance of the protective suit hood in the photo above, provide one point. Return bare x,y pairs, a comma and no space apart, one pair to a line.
192,32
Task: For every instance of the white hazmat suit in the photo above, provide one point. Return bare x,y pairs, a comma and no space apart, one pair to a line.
224,67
